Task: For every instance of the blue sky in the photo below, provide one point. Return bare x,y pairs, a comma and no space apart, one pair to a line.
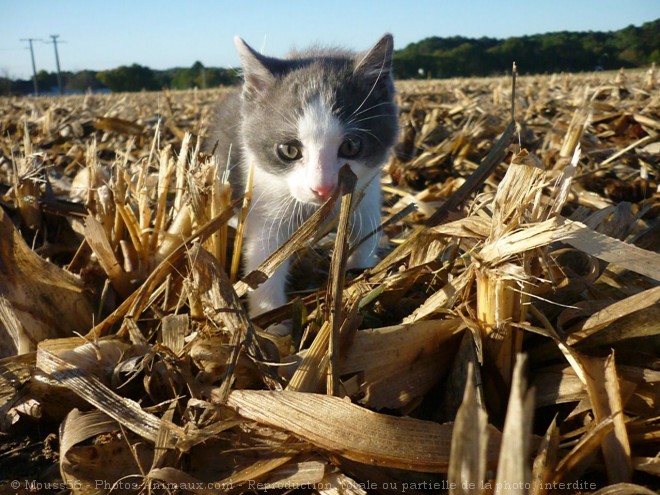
163,34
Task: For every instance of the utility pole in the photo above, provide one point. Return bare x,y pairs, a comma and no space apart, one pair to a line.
57,61
34,66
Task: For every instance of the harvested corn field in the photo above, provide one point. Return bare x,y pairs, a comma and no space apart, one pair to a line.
507,341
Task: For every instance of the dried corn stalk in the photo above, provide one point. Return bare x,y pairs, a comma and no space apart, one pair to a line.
565,264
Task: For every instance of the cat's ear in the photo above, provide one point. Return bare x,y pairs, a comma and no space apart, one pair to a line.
256,72
376,62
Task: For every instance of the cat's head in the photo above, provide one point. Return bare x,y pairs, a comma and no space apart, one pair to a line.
306,116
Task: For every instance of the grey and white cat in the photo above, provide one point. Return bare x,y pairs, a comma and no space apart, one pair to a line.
297,121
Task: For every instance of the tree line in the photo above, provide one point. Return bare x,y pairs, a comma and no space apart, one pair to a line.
126,78
436,57
538,54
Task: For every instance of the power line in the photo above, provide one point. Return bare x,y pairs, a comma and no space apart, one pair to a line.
34,66
57,62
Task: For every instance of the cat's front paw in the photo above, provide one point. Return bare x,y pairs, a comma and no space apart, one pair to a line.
268,296
261,302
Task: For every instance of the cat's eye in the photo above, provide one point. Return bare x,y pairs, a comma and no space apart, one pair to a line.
350,147
289,152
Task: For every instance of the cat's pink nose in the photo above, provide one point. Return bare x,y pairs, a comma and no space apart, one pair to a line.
323,191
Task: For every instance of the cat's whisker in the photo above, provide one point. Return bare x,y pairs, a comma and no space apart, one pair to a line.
375,224
369,133
356,219
373,87
296,217
302,214
279,214
354,115
272,228
256,201
289,216
254,204
371,117
375,105
360,232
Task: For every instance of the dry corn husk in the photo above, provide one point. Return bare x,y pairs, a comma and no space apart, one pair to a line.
548,247
38,300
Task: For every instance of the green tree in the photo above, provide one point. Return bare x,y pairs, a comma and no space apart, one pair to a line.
129,78
182,79
46,80
221,77
82,81
542,53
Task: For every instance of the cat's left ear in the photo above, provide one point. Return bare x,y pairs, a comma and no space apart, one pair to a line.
257,74
377,61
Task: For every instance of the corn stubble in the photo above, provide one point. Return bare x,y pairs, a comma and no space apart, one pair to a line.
506,343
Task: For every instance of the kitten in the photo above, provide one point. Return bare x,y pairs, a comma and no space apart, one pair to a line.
297,121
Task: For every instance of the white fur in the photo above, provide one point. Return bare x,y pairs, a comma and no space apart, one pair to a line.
282,203
264,233
321,134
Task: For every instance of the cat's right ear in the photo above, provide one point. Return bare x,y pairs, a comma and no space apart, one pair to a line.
256,74
377,61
